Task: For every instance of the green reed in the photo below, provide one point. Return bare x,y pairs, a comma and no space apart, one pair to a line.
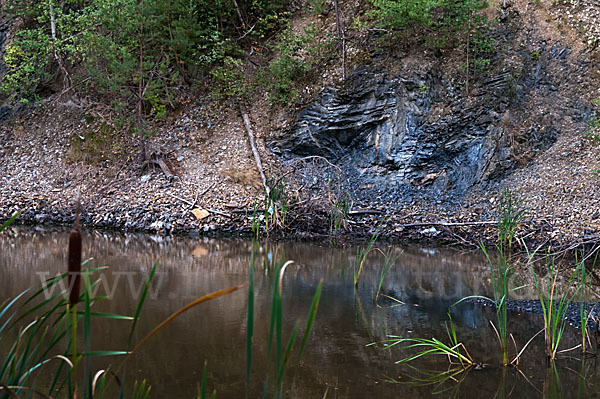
510,217
584,282
554,303
455,351
388,263
363,253
275,346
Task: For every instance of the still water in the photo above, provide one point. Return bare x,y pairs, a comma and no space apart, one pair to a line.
337,362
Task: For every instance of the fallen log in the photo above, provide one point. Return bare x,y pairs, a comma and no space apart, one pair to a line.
253,146
448,224
165,169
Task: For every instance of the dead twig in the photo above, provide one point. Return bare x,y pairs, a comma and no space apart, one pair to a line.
200,194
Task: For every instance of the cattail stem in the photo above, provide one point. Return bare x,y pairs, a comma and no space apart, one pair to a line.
74,259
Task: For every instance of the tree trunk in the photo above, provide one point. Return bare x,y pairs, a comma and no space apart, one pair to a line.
140,94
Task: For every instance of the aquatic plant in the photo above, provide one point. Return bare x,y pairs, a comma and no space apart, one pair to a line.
584,283
510,216
511,212
10,221
277,354
339,212
275,340
455,351
554,304
389,262
362,253
276,205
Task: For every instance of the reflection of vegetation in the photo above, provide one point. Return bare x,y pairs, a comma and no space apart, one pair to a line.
439,381
450,382
552,385
362,254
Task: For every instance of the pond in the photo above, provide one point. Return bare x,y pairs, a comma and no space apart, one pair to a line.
414,300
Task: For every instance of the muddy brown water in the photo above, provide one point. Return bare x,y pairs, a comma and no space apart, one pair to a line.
337,362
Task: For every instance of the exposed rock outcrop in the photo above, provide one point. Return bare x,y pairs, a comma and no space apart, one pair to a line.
418,134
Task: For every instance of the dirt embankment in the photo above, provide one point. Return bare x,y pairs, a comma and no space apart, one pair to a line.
66,146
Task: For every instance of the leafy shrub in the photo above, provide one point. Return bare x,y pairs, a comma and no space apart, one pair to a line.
593,125
444,17
229,79
297,55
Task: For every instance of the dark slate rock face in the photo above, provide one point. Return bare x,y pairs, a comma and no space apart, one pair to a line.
407,137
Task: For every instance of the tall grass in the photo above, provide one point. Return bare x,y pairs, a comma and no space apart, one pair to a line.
363,253
554,303
52,335
279,351
455,351
275,342
584,282
510,217
500,272
388,263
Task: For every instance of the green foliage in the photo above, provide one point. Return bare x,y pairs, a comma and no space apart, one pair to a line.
229,80
286,67
276,204
584,283
510,216
361,255
593,125
279,356
481,47
296,56
318,6
123,45
554,304
441,16
10,221
339,212
389,262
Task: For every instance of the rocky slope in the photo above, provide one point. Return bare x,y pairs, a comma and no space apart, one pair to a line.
402,135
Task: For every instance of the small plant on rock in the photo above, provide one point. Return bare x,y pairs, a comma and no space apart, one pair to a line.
339,212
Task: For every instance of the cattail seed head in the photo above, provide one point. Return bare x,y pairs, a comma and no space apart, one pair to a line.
74,259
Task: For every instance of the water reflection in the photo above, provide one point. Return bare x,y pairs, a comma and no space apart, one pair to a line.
337,360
